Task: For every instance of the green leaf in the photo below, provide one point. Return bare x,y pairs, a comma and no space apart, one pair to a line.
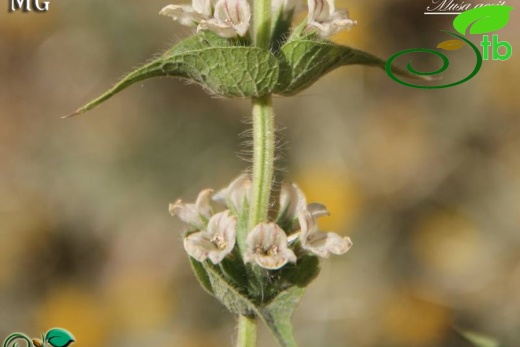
302,273
226,284
281,29
223,67
202,275
58,337
232,297
484,19
277,315
305,60
235,270
477,339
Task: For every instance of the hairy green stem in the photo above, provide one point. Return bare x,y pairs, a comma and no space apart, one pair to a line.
263,159
263,156
262,23
263,127
263,167
246,332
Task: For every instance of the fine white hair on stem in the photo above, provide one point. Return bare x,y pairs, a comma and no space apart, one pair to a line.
281,146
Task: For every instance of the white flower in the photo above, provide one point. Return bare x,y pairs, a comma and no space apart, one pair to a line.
236,195
231,18
292,200
324,17
214,243
317,242
197,214
267,246
189,15
317,210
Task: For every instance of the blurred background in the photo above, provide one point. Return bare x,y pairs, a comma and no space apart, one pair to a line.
425,182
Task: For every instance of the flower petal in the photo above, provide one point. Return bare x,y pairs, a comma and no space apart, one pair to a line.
236,11
320,10
203,7
184,14
308,226
317,242
187,213
222,228
267,246
317,210
292,200
203,203
323,17
197,214
322,244
215,243
241,28
236,194
277,261
199,245
231,17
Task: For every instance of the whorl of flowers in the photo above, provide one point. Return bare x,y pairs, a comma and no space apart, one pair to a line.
270,245
231,18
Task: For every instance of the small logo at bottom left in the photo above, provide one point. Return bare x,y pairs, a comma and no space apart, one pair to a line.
56,337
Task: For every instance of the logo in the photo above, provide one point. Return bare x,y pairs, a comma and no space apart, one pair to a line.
29,5
476,21
56,337
452,7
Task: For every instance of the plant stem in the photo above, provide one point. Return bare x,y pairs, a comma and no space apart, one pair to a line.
246,332
263,159
263,167
262,23
263,127
263,156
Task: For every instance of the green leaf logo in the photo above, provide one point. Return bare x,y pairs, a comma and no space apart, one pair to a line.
482,20
58,337
451,45
305,60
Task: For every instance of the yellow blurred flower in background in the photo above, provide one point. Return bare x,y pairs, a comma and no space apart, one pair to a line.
336,189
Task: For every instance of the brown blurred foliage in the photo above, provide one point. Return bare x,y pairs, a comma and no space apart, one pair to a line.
427,184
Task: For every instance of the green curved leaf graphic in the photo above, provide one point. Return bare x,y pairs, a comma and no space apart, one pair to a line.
10,341
58,337
482,20
307,59
444,67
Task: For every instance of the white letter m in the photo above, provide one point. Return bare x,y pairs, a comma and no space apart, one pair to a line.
18,4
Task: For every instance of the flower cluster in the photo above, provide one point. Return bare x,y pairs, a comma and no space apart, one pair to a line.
270,245
229,18
327,21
